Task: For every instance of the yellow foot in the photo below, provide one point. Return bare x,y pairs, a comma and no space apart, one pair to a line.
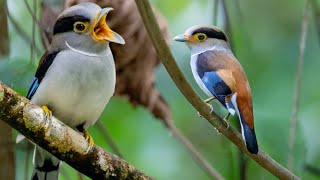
47,112
89,139
48,119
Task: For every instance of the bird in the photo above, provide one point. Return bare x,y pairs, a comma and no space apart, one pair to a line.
75,78
220,76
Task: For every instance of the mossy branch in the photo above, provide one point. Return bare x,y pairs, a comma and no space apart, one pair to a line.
62,141
170,64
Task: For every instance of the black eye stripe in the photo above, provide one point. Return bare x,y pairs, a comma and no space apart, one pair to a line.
66,24
211,33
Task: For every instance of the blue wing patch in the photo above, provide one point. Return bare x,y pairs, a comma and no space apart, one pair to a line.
33,88
44,65
216,86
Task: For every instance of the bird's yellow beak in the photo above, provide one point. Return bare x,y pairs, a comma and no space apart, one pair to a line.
182,38
102,32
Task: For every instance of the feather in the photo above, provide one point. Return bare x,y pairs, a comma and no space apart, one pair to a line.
43,67
216,86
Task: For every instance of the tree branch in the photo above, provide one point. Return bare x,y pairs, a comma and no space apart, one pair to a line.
170,64
297,88
62,141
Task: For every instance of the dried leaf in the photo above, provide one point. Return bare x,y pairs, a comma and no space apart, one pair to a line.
135,61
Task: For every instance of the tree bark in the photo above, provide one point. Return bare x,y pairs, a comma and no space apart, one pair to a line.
62,141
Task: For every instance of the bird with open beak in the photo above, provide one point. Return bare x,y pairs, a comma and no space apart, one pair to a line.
220,75
75,78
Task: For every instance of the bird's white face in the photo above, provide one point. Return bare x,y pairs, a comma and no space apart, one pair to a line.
202,38
84,27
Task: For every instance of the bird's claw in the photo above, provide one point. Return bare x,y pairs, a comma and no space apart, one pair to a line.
211,110
48,118
209,99
226,120
89,139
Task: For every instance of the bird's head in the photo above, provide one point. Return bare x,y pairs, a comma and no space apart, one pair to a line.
203,37
84,27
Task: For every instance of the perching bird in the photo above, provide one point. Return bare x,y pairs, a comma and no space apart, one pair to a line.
219,74
76,76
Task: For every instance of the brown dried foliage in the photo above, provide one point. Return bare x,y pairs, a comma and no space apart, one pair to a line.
135,61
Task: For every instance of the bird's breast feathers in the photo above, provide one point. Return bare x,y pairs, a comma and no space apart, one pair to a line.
77,87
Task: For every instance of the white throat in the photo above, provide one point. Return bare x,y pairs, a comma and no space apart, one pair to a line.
83,52
209,45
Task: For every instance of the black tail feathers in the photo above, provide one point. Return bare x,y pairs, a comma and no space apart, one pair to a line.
250,139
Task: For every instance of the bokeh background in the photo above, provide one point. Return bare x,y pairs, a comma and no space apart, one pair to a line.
265,37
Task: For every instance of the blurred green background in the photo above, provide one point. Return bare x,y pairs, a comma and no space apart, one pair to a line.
265,35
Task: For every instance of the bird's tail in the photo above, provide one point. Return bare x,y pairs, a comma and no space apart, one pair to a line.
46,166
249,136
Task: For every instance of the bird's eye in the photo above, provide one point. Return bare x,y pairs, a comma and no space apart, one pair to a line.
80,27
201,37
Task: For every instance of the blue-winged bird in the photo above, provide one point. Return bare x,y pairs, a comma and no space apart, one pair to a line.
220,75
76,76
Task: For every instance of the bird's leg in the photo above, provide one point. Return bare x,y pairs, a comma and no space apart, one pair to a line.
48,118
87,136
207,102
226,119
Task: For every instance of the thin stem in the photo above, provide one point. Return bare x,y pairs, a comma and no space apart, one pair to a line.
107,136
19,30
33,33
203,163
170,64
297,89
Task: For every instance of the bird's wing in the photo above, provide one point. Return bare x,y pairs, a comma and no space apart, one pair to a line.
216,76
217,86
44,64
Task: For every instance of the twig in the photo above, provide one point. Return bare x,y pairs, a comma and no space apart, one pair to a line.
33,43
35,21
107,136
295,109
204,164
20,31
170,64
62,141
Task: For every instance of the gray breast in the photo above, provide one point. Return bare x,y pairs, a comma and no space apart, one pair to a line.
77,87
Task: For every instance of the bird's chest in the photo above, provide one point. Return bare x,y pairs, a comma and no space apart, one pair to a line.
77,87
193,64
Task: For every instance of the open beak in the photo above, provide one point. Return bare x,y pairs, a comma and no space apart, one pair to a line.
181,38
102,32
